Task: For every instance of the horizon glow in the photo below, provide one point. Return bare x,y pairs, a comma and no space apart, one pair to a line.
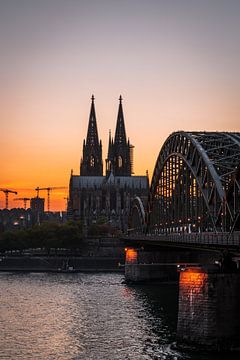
176,64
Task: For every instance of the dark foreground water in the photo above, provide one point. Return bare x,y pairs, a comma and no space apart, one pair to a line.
88,316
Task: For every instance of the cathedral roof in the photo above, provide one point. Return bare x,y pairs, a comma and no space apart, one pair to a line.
132,181
138,182
87,181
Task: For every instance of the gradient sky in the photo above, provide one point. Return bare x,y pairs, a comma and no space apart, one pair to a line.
176,64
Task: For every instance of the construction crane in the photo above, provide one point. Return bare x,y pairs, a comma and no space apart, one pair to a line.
48,189
6,192
25,199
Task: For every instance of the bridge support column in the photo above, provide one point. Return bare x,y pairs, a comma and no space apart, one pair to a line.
142,266
209,311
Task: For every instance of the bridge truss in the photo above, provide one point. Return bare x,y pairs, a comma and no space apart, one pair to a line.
196,184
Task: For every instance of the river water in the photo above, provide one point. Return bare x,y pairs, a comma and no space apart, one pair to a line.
47,316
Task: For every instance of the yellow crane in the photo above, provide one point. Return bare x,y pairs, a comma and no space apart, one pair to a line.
48,189
6,192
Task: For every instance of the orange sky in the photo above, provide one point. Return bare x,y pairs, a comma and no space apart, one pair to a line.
176,66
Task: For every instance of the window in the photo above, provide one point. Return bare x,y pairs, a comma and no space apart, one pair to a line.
92,161
120,162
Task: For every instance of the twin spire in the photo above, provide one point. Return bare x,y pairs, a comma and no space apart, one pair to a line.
120,133
91,162
119,150
92,134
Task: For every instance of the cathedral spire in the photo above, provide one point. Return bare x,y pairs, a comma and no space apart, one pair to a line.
120,133
91,164
109,143
119,151
109,155
92,134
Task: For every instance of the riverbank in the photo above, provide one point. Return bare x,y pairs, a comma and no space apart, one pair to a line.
60,264
95,254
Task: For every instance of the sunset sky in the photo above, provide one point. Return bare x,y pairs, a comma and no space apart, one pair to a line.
176,64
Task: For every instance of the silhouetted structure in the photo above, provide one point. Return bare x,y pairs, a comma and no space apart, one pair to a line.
92,195
37,204
19,218
119,160
91,162
37,207
195,186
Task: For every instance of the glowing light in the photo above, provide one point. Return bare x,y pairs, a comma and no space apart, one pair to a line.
193,278
131,256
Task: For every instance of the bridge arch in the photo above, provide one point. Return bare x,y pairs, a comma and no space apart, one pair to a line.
190,189
137,218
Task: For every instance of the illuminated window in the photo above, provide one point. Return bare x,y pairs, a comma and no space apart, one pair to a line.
120,162
92,161
109,165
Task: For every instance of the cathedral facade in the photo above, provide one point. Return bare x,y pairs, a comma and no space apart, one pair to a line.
93,195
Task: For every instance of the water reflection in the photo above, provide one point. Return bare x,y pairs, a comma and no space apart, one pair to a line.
87,316
158,317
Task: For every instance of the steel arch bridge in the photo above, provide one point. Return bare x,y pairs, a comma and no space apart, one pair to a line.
195,185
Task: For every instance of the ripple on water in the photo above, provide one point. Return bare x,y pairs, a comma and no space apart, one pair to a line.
85,316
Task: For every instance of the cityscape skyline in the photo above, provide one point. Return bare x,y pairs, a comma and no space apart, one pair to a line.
174,63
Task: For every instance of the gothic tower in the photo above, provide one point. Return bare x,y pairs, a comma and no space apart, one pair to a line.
91,162
119,160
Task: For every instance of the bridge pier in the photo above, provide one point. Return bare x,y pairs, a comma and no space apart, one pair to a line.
143,266
209,311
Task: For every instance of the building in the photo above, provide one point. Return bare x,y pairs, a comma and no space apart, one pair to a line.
93,195
37,208
37,204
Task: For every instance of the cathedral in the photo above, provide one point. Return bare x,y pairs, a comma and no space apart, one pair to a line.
93,195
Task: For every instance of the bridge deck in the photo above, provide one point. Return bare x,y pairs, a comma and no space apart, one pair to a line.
199,239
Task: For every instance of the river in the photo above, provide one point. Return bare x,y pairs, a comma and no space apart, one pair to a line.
46,316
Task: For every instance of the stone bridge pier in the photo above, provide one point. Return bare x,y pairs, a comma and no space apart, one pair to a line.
209,308
144,266
150,264
209,296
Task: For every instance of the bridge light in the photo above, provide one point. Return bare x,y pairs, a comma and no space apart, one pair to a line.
181,267
191,278
131,256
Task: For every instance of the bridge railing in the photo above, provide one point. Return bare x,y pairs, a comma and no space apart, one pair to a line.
218,239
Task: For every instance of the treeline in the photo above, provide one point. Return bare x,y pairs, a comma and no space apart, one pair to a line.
51,236
46,236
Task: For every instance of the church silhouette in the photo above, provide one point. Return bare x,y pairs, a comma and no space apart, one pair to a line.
93,195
